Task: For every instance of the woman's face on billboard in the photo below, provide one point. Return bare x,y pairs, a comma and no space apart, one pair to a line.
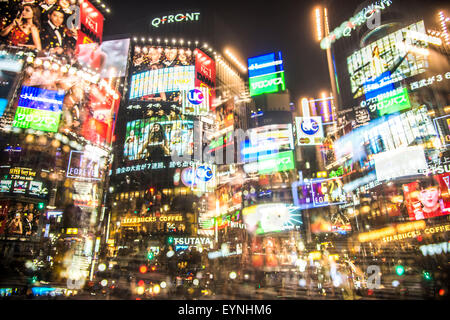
429,197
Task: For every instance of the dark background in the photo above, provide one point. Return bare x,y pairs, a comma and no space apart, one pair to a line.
258,27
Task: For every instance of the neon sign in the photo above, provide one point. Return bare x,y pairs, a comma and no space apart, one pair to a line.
180,17
345,29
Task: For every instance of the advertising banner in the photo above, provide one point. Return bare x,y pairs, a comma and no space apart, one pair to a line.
157,138
276,217
270,83
266,74
205,74
390,102
267,140
10,66
395,53
428,198
309,130
279,162
196,101
400,162
110,58
91,24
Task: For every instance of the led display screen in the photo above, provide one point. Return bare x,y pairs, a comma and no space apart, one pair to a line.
161,80
266,74
267,140
109,58
386,133
161,73
156,138
276,217
5,185
86,108
390,102
395,53
278,162
428,198
39,109
265,64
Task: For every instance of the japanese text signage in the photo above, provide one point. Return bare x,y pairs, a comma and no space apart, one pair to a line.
205,74
39,109
266,74
91,24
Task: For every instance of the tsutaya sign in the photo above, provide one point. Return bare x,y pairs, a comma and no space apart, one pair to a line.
175,18
345,29
192,241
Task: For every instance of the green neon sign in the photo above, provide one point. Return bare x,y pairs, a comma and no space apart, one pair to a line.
42,120
390,104
277,162
268,83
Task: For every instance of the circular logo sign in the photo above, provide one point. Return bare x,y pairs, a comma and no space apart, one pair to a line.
309,127
195,96
204,173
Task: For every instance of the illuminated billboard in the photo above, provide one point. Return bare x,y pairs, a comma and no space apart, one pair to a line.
162,80
86,108
278,162
110,58
319,193
266,74
91,24
195,101
160,74
395,53
39,109
428,198
274,217
386,133
400,162
84,166
205,74
390,102
309,130
157,137
267,140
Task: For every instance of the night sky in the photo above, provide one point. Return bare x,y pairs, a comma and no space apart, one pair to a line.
259,27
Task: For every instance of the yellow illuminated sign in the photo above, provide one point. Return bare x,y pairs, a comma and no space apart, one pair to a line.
163,218
315,255
389,231
402,231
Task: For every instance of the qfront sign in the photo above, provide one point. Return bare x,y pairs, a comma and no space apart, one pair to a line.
175,18
346,28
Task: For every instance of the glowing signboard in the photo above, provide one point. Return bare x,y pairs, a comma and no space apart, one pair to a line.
278,162
175,18
196,101
277,217
39,109
390,102
394,53
266,74
162,80
309,130
345,29
81,166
